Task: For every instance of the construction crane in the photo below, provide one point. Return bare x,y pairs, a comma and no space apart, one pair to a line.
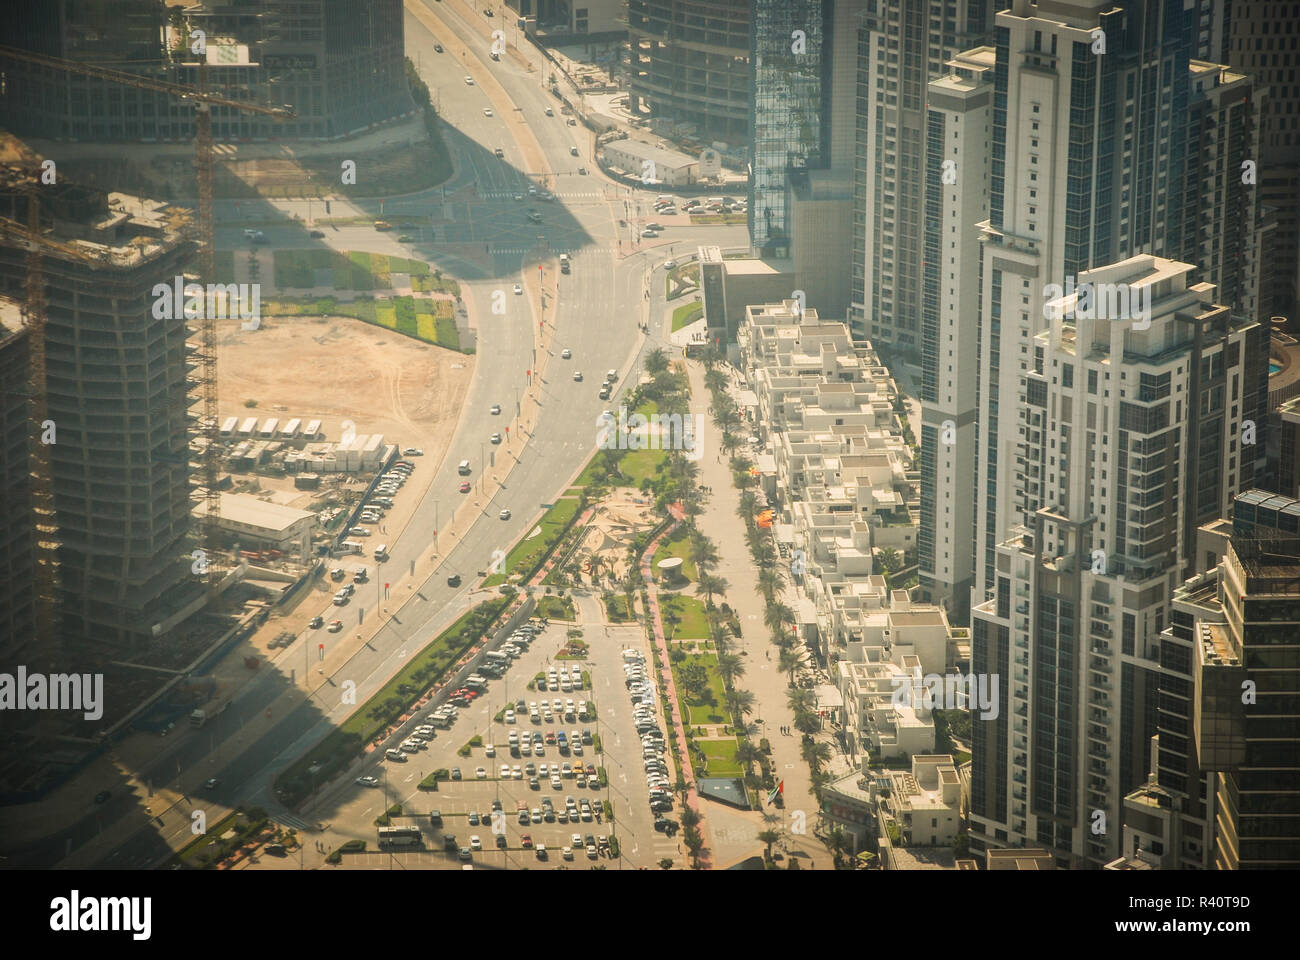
34,318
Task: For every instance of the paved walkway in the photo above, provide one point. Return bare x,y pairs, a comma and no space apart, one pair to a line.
720,523
668,686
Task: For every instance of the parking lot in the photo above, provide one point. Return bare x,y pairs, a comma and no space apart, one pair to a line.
466,805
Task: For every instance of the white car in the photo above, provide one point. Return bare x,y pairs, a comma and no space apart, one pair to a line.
518,289
670,264
412,452
480,773
475,843
504,772
510,716
496,410
566,354
469,81
487,111
504,514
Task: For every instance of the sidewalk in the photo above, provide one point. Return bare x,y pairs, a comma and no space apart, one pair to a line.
721,524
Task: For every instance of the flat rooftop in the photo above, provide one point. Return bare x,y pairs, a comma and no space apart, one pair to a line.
239,508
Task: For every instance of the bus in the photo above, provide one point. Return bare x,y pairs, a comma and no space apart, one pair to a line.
401,837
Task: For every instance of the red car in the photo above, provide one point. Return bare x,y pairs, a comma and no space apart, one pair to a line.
527,840
464,486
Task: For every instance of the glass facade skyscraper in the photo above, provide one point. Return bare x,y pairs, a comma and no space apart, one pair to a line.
788,59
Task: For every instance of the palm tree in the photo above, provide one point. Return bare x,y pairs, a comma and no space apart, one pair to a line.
730,442
838,843
747,754
705,554
807,722
788,662
715,380
888,560
815,754
689,817
765,553
741,703
656,362
768,837
746,508
770,582
681,787
710,584
800,700
730,667
694,844
777,616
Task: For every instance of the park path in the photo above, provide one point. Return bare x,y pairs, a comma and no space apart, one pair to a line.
663,664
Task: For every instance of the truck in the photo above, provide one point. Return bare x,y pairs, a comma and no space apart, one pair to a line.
209,710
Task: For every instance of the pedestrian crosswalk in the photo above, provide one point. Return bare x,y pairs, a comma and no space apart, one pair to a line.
573,254
562,195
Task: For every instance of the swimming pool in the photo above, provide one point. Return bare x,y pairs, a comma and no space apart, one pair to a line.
1273,367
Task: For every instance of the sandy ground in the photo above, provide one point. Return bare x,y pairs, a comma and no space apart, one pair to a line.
342,369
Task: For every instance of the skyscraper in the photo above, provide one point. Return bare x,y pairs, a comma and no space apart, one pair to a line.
1113,402
17,520
689,62
1101,123
338,63
788,57
1261,43
117,391
902,45
1225,787
956,198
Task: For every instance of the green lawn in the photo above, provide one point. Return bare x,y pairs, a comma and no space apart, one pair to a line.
692,623
687,313
617,609
406,315
698,711
556,608
528,553
678,546
722,757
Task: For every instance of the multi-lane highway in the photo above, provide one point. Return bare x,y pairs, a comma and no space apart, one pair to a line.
599,308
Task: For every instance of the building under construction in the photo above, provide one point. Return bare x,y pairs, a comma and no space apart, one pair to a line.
117,390
17,531
340,62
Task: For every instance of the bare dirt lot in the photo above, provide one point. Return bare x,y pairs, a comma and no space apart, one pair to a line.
339,369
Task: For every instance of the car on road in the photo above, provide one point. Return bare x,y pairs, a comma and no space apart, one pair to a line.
670,264
495,438
518,290
316,234
577,376
367,781
504,514
649,234
317,622
550,112
406,238
572,122
487,111
335,626
573,151
566,354
453,580
437,48
469,81
519,196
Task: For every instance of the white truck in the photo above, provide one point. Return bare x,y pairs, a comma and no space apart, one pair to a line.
209,710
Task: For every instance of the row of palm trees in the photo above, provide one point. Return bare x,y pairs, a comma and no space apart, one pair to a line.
780,620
